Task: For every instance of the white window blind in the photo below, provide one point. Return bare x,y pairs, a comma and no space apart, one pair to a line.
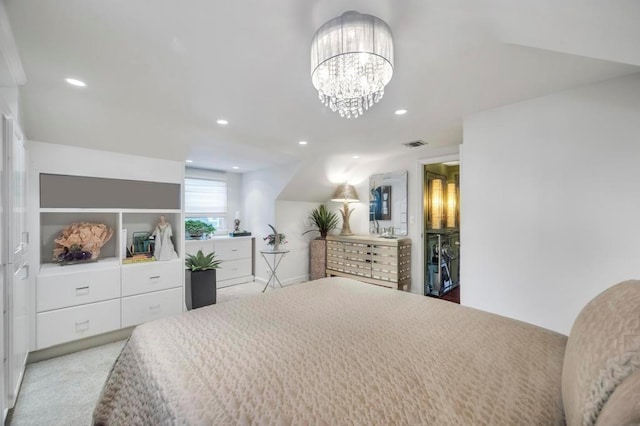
205,196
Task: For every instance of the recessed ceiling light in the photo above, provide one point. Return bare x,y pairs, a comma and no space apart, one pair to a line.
74,82
401,112
222,122
189,161
302,143
235,167
356,156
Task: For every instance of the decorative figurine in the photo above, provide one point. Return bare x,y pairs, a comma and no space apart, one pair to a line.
163,249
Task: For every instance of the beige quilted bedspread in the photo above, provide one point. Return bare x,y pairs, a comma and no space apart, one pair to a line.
336,351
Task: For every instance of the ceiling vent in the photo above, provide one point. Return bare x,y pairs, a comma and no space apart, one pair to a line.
414,144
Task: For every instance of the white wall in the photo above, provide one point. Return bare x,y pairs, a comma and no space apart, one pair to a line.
292,221
549,202
260,189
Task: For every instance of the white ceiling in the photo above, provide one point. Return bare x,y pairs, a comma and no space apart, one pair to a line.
161,72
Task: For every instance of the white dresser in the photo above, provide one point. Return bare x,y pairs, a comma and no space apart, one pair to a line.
74,302
236,254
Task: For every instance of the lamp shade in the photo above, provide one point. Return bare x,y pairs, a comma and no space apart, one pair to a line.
452,200
345,194
351,62
437,203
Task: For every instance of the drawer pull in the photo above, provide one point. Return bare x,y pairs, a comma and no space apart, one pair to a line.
82,291
155,277
154,307
234,249
82,326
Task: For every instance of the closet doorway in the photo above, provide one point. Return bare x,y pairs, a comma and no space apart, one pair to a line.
441,229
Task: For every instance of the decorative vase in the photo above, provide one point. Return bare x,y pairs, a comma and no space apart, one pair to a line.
200,289
317,259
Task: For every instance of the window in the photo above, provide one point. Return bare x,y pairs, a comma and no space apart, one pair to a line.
205,196
206,200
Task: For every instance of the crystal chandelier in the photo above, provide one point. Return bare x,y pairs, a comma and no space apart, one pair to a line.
351,62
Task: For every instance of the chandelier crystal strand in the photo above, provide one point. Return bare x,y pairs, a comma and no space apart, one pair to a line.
351,62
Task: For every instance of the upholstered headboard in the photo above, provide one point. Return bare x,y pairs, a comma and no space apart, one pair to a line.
601,372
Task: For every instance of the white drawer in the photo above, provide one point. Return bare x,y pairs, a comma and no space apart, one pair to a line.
150,306
192,246
76,288
230,269
233,248
65,325
137,279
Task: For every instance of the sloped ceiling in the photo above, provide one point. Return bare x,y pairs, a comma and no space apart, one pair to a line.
159,73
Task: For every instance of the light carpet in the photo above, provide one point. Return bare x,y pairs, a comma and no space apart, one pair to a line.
64,390
239,291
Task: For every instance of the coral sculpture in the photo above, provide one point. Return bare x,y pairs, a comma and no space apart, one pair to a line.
88,237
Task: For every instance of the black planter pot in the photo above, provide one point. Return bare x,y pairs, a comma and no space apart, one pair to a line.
200,288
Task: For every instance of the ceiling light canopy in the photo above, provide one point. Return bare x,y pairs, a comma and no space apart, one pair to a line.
222,122
351,62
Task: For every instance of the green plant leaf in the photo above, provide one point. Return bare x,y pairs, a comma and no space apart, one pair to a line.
200,262
323,219
192,226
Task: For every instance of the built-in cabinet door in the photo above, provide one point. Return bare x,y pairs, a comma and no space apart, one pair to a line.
19,323
15,303
3,270
15,176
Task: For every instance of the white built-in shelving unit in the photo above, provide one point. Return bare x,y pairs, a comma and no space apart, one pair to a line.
74,302
82,300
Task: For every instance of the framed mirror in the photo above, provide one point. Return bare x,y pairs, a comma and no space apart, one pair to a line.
388,204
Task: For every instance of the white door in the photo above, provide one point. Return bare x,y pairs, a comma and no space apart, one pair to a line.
19,329
15,173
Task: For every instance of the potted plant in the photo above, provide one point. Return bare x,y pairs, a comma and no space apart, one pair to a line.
323,220
196,228
201,279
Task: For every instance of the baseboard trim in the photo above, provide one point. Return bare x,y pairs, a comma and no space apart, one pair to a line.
79,345
294,280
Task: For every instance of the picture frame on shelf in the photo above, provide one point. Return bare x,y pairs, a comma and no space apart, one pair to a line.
141,242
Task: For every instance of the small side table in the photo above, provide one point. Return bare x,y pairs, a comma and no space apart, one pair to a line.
278,255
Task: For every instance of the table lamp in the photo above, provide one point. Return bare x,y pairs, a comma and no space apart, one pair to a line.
346,194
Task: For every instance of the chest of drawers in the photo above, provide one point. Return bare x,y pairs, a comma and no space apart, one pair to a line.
236,254
381,261
74,302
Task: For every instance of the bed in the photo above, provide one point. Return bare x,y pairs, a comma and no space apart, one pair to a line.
338,351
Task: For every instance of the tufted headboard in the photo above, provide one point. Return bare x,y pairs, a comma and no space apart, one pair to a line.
601,371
